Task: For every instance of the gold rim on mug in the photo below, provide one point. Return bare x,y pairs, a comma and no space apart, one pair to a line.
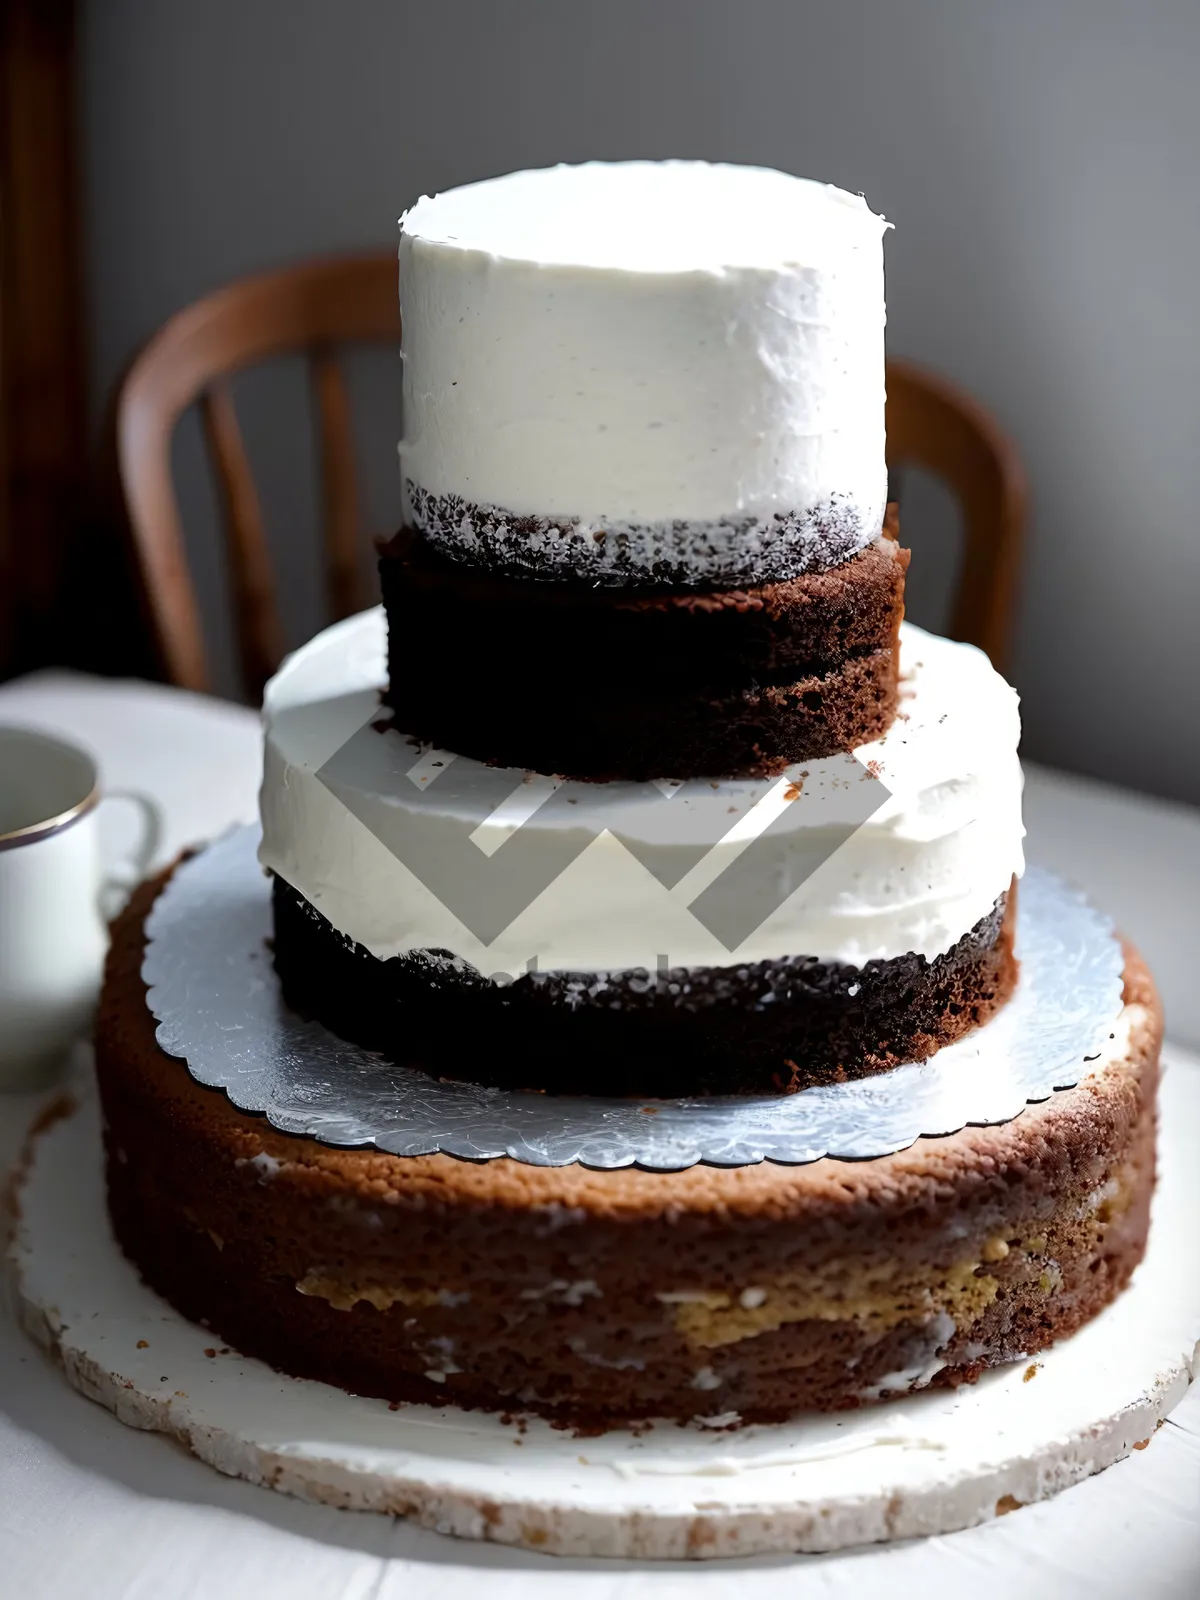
52,825
48,826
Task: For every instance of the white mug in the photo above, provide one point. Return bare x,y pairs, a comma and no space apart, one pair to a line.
55,899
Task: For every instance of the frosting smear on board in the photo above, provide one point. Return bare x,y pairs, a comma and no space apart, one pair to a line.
667,369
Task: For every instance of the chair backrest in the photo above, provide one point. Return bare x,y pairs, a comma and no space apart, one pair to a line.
313,308
321,305
933,425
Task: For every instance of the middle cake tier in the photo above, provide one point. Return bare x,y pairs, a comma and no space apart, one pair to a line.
643,938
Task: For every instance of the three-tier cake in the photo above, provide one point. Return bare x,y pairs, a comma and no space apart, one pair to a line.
638,785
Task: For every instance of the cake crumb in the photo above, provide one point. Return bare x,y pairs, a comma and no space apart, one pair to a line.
143,1344
1031,1371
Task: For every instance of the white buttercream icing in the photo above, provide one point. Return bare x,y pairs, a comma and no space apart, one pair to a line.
628,346
924,868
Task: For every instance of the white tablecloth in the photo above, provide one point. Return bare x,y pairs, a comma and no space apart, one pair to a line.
92,1511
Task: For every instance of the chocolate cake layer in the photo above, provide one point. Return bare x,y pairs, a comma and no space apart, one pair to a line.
768,1027
754,732
596,1297
600,683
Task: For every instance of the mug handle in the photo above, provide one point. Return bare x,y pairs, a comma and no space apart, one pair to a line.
119,884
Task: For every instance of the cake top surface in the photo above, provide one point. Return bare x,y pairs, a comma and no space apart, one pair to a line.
649,217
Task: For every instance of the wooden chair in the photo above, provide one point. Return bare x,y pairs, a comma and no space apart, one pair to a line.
933,425
311,308
318,306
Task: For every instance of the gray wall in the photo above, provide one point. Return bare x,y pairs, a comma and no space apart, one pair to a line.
1039,159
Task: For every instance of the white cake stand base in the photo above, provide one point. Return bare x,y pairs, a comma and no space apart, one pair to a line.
929,1464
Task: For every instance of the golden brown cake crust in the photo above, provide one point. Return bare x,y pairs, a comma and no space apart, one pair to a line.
596,1296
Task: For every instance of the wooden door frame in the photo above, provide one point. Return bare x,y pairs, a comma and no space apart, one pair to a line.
44,446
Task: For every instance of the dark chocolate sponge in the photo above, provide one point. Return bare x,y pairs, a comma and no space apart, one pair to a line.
642,683
763,1028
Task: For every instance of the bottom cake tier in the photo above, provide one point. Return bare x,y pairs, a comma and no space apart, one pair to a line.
593,1297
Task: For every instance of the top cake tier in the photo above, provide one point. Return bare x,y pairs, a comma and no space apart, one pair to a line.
644,373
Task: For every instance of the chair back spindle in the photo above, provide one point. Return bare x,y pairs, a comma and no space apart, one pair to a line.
260,641
339,487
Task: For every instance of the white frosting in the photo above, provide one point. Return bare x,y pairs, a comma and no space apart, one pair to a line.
915,876
644,342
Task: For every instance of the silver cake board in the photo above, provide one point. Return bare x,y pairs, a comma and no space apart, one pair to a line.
929,1464
214,993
